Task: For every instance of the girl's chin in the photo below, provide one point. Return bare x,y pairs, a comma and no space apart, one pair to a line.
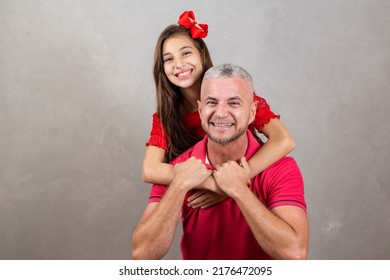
184,83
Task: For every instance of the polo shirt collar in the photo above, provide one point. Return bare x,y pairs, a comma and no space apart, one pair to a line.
200,149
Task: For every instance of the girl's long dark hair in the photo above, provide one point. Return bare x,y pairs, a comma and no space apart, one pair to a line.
169,96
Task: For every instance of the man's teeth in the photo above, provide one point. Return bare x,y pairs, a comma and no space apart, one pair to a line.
222,124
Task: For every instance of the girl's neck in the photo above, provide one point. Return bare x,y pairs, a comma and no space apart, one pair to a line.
190,97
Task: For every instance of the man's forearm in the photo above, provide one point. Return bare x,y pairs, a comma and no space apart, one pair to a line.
277,238
154,235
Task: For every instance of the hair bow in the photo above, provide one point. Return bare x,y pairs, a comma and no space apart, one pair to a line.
198,30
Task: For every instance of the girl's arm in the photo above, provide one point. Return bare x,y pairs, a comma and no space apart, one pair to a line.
154,170
279,144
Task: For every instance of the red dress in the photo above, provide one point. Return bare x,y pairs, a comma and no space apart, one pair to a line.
192,122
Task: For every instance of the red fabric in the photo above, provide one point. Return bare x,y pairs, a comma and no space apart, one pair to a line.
221,231
192,122
157,134
159,138
198,30
263,113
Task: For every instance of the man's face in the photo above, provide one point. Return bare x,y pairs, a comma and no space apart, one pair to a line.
226,108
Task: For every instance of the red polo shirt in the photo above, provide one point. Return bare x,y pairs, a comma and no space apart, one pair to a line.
221,231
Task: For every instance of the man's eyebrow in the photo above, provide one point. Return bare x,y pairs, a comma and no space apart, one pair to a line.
210,98
234,98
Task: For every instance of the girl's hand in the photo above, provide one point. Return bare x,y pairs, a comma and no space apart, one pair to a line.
204,199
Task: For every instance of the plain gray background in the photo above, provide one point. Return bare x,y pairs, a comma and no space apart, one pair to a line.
77,96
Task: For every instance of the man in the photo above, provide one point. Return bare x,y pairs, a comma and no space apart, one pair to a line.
262,218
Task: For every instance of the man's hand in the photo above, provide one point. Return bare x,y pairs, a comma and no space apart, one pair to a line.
232,177
190,174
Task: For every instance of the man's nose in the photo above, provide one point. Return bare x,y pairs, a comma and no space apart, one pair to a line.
221,110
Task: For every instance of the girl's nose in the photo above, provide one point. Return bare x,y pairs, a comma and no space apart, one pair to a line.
179,63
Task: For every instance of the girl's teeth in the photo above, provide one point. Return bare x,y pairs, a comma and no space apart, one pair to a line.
182,74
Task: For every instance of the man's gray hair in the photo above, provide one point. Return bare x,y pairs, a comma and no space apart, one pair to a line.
228,70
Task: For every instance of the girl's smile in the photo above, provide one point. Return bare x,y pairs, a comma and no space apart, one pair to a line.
182,62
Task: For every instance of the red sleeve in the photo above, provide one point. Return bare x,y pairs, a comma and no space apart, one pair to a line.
263,113
283,184
157,134
157,192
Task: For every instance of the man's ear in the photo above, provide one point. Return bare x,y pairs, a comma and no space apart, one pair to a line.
252,112
199,106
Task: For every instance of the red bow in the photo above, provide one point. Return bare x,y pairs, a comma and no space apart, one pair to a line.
198,30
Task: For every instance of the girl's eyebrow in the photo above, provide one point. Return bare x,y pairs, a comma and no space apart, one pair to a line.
181,49
186,47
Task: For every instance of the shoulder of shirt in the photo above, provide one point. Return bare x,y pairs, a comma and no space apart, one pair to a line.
184,156
197,150
287,160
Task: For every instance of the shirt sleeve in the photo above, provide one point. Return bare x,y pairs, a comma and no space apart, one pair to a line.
263,113
157,134
284,185
157,192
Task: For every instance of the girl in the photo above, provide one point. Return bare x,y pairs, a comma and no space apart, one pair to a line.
181,58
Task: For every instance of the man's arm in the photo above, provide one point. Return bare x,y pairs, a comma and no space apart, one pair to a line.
282,232
154,234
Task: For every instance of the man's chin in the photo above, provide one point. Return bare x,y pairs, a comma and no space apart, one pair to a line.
222,140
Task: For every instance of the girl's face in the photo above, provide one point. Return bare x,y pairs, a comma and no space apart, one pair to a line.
182,61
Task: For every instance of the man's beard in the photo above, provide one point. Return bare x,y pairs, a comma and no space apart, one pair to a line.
226,140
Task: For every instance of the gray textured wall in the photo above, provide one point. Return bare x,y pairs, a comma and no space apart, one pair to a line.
77,95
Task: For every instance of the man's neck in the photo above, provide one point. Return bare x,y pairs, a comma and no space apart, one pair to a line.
218,154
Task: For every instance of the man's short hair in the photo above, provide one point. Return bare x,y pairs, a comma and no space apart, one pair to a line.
228,70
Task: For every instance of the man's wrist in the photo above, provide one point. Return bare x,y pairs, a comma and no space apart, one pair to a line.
180,185
239,192
211,185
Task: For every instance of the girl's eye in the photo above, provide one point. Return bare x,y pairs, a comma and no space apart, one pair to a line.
187,53
167,59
